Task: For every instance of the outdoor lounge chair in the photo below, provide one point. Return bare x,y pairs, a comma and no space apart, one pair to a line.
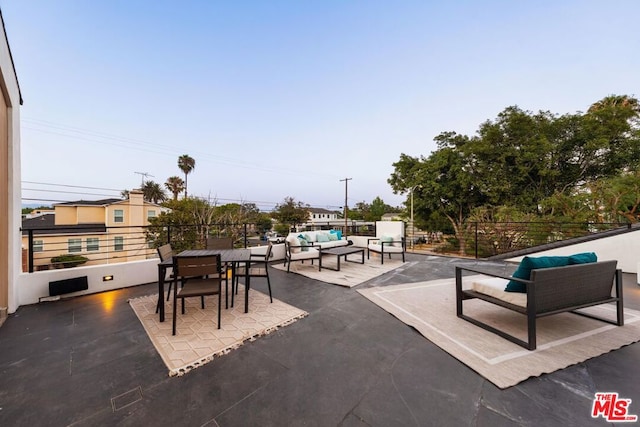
386,245
389,239
548,291
297,252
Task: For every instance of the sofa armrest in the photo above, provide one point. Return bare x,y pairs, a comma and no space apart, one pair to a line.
486,273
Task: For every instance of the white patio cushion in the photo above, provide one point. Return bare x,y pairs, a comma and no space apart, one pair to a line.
387,248
311,253
495,287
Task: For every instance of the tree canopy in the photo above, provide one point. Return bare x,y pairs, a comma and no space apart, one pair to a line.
290,213
153,192
521,160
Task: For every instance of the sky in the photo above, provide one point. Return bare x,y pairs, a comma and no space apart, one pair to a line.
277,99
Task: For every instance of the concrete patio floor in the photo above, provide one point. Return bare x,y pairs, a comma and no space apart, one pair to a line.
87,361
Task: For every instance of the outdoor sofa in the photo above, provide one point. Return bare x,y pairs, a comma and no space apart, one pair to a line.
547,291
324,239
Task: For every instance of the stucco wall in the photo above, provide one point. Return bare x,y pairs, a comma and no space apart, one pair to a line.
31,287
625,248
11,92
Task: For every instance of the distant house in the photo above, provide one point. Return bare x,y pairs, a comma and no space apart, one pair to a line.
104,231
317,215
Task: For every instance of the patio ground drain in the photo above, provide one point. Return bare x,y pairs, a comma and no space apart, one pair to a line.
126,399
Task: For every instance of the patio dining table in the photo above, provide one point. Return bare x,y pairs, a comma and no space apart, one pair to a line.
227,256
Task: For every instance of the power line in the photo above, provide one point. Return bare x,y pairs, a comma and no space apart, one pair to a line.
146,146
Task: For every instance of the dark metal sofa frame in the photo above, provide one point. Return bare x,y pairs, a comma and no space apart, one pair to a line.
552,291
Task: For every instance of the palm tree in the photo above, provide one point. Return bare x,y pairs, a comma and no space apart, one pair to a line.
186,164
623,101
175,185
153,192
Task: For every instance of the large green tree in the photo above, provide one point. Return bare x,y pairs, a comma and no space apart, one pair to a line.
519,160
290,213
370,212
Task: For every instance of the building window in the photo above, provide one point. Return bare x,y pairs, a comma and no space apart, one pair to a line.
118,243
75,245
118,215
151,214
93,244
38,245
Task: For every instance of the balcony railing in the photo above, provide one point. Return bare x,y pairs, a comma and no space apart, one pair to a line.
123,243
43,247
487,239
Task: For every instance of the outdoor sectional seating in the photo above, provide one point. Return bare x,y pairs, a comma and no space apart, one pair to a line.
324,239
547,291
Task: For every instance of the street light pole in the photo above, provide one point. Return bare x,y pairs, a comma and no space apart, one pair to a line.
346,181
412,226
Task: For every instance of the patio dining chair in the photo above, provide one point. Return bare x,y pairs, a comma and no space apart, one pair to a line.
258,267
223,243
199,276
165,252
219,243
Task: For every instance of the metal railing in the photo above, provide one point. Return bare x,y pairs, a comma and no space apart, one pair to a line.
52,248
43,246
488,239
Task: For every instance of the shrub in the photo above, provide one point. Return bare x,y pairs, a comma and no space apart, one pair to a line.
68,260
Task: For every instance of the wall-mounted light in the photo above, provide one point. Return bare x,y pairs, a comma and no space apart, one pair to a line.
107,278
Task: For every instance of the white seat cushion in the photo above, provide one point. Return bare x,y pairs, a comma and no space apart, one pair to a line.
387,248
309,254
495,287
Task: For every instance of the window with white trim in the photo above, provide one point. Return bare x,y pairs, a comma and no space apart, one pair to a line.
118,215
118,243
93,244
151,214
74,245
38,246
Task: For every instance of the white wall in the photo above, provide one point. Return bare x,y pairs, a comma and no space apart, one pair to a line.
9,82
32,286
624,248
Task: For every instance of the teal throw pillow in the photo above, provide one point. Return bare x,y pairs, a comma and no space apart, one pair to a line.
304,243
532,263
337,233
583,258
322,237
386,239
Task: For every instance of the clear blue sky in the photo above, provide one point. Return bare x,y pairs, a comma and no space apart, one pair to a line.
285,98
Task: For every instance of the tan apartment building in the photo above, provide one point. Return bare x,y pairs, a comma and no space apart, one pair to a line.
104,231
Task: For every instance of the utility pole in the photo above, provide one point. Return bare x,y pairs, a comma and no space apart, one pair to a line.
346,181
144,175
